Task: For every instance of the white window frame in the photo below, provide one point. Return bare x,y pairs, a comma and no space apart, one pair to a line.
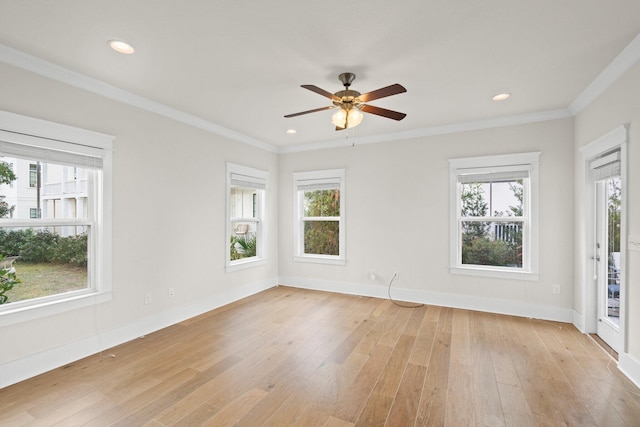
506,164
59,142
319,178
253,178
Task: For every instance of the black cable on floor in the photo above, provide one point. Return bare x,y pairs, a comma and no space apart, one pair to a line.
396,302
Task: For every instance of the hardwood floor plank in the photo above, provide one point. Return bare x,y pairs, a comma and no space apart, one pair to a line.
433,403
383,394
460,339
230,414
353,397
375,412
337,422
573,409
298,357
459,403
424,343
405,406
392,373
415,321
60,413
196,417
515,407
266,407
502,350
17,419
350,342
486,396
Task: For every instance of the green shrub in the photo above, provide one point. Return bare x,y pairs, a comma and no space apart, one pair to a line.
71,250
243,246
322,237
12,241
44,246
483,251
40,247
8,280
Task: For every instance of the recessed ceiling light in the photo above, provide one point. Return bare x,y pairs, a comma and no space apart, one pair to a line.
291,131
121,47
501,96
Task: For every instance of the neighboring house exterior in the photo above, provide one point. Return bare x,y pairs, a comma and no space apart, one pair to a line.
62,191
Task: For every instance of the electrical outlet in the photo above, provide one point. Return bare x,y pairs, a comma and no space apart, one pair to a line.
147,298
396,275
372,276
172,292
556,289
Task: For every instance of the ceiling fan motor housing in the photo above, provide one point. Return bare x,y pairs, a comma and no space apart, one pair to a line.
349,97
347,79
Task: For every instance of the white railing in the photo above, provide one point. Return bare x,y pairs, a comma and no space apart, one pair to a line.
67,187
506,232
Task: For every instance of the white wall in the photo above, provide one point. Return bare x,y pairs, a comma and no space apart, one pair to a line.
619,105
168,224
397,220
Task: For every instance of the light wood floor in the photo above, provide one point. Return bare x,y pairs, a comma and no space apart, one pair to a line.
294,357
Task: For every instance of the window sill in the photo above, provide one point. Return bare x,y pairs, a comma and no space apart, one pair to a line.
495,273
50,306
245,263
319,259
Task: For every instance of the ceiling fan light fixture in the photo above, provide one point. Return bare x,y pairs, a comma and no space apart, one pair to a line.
339,118
354,117
347,118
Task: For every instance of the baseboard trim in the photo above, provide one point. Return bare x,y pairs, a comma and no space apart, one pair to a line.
578,322
467,302
36,364
630,367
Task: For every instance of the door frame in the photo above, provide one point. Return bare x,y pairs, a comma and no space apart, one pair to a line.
617,138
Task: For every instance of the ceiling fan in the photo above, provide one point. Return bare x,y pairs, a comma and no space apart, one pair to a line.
351,103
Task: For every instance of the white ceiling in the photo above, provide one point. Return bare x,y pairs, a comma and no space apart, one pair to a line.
238,65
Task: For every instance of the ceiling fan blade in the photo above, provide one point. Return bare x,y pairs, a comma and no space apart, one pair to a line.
390,114
382,93
310,111
322,92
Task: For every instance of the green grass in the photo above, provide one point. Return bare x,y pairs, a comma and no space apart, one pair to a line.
40,280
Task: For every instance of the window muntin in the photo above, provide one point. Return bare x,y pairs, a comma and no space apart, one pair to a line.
319,230
246,190
493,228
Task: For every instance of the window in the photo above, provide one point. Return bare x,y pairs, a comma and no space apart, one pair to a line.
246,189
33,175
58,240
494,215
319,216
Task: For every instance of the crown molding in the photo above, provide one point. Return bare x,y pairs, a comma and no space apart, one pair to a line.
629,56
48,69
541,116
